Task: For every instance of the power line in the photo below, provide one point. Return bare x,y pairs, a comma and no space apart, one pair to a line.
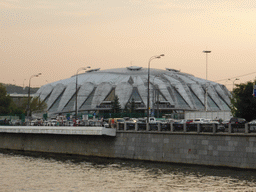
236,76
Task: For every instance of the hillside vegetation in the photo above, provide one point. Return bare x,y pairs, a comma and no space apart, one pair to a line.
17,89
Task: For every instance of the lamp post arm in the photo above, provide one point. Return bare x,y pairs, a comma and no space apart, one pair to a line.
28,106
80,69
151,58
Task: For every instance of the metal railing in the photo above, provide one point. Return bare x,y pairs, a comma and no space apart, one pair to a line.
186,128
157,126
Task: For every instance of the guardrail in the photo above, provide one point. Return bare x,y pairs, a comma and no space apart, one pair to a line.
65,130
168,127
184,128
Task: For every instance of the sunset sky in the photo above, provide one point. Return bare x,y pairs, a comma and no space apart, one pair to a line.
58,37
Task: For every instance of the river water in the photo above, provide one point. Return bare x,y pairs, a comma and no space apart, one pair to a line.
23,171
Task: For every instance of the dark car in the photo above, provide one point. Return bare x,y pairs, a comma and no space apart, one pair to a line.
142,125
237,124
225,123
252,126
237,120
179,125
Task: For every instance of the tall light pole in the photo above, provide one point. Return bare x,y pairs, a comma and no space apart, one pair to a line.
151,58
206,89
80,69
23,84
234,83
28,107
155,97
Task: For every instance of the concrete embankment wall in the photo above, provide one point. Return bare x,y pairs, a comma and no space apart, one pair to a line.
236,150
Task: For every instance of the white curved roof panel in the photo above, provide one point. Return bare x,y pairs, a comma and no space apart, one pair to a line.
84,92
181,90
124,91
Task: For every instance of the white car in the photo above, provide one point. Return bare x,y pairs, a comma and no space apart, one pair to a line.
252,125
199,120
16,122
53,122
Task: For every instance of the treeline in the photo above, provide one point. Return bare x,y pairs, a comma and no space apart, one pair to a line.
17,89
7,105
243,102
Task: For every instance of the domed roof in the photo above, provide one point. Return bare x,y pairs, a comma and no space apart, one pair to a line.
171,88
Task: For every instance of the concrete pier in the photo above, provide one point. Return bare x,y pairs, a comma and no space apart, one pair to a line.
214,149
67,130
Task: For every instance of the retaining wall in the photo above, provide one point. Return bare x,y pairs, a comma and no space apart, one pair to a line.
219,149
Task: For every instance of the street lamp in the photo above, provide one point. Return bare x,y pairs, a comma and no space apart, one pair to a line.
151,58
80,69
28,107
206,90
155,98
234,83
23,84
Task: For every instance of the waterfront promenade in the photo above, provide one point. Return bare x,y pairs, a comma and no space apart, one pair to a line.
198,148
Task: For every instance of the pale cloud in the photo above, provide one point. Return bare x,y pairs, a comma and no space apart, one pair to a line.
26,6
111,33
165,4
8,5
52,8
196,4
76,14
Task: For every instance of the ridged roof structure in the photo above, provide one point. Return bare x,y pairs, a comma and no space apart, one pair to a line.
171,88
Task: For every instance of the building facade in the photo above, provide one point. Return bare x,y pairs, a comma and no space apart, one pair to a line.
169,91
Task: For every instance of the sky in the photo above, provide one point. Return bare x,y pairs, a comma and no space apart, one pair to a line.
58,37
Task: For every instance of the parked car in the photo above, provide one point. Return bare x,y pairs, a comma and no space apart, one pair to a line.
46,123
237,124
199,120
178,125
206,125
189,121
130,124
16,122
53,122
142,124
252,126
36,122
237,121
219,126
225,123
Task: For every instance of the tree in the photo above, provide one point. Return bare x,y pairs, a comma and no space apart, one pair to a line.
243,104
5,101
116,107
36,105
130,106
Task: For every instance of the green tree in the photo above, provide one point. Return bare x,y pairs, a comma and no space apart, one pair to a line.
243,104
116,107
36,105
130,107
126,109
14,109
5,101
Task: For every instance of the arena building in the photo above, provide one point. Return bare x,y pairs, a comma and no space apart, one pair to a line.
169,91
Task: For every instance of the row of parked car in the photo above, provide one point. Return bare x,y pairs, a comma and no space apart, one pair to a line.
206,125
178,125
237,124
55,122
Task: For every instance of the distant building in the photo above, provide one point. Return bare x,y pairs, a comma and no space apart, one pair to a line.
19,99
170,91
